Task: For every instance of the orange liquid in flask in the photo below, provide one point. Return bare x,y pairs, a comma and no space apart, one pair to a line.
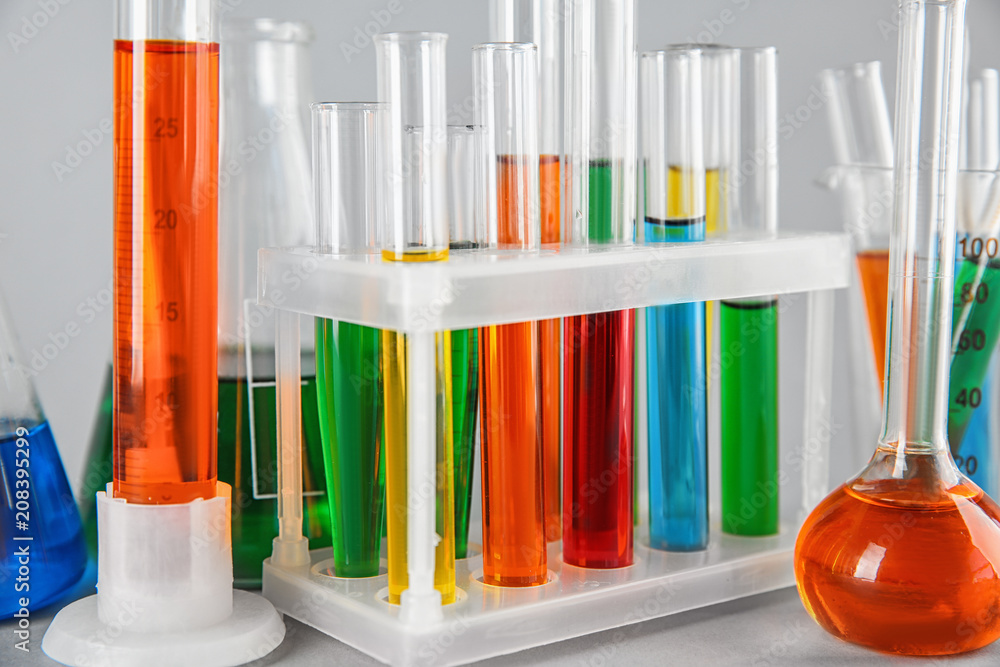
166,259
899,568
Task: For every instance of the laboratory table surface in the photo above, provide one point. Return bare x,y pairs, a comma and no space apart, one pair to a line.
768,629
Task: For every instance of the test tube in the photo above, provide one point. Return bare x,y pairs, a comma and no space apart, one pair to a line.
411,80
348,374
720,67
514,545
976,304
540,22
672,155
720,73
599,209
466,220
749,385
166,63
862,140
859,114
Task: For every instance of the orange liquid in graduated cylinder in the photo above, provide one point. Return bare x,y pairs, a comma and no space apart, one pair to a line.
889,570
514,546
873,266
166,200
549,350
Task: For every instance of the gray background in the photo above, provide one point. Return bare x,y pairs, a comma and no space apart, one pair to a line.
55,235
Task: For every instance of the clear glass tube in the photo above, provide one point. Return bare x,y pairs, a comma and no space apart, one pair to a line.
166,261
467,223
541,23
598,209
749,385
859,114
411,80
862,136
349,200
466,198
720,66
538,22
898,558
984,121
347,185
671,118
514,545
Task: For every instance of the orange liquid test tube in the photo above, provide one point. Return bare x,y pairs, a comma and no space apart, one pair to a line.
514,539
513,517
541,23
166,259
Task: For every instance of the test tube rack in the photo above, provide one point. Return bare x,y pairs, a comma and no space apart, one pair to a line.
486,288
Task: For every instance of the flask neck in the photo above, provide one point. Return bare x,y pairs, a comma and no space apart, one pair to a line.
265,73
922,252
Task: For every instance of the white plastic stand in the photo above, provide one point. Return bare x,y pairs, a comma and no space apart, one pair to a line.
164,593
478,289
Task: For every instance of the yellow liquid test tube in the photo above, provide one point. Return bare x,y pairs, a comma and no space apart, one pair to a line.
394,349
414,157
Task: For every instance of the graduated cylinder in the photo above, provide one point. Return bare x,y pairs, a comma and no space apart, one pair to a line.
166,199
514,546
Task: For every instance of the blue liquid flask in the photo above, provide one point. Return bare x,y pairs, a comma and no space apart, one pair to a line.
42,548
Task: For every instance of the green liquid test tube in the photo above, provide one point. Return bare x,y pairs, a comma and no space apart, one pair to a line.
465,403
750,433
748,328
348,356
466,231
349,383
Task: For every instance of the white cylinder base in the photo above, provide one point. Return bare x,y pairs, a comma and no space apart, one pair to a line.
164,592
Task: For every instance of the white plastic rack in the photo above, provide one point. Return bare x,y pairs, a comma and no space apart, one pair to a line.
483,288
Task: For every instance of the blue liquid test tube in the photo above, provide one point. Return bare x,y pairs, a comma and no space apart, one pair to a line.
671,122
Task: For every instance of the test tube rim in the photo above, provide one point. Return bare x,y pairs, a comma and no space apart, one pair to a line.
705,48
758,49
246,29
510,47
671,50
348,106
411,37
